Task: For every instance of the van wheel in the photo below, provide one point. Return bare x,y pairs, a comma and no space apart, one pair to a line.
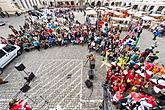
19,52
1,71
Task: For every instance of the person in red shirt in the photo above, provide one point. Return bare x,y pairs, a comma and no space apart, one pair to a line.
108,75
130,77
18,105
121,88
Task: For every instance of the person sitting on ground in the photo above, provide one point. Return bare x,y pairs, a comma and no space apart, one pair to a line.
2,81
15,104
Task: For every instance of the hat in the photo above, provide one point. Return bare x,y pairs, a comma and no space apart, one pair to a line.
134,88
161,82
119,64
128,80
156,89
113,63
125,72
136,66
149,72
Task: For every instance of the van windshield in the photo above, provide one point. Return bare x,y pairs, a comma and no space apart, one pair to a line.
9,48
2,53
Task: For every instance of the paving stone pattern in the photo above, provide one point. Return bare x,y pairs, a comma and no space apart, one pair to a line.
54,86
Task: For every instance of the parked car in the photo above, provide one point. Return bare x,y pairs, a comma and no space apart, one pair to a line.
2,23
35,13
7,54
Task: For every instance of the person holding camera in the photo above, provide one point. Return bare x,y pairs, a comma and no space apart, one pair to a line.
91,59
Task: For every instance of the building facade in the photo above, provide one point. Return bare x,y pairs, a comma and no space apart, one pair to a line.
151,6
19,5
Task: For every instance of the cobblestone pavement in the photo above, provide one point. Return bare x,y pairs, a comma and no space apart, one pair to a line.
52,66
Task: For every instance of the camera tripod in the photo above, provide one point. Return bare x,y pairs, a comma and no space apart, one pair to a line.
106,104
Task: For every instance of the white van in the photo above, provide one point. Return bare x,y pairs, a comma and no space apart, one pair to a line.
7,54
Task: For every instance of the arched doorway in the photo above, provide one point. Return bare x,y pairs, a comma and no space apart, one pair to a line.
151,8
124,4
67,3
51,3
144,7
160,9
112,4
93,4
129,5
116,4
135,7
106,4
119,3
98,4
72,3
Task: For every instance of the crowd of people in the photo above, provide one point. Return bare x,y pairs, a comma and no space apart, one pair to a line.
158,30
136,80
62,30
130,73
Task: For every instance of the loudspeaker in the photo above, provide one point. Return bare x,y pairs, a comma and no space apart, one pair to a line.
25,88
88,83
19,66
31,76
91,74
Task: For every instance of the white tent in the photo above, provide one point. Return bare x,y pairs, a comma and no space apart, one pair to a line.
103,8
163,23
121,19
91,12
131,12
141,12
102,11
111,11
147,18
88,8
138,15
117,13
155,15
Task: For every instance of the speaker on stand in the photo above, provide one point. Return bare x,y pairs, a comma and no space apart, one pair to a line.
91,74
23,90
30,75
89,83
21,67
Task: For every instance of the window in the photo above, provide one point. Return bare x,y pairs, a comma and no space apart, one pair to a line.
112,4
2,53
135,7
119,4
160,9
67,3
72,2
9,48
152,7
144,8
124,4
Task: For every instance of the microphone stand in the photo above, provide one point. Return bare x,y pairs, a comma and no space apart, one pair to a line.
106,98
